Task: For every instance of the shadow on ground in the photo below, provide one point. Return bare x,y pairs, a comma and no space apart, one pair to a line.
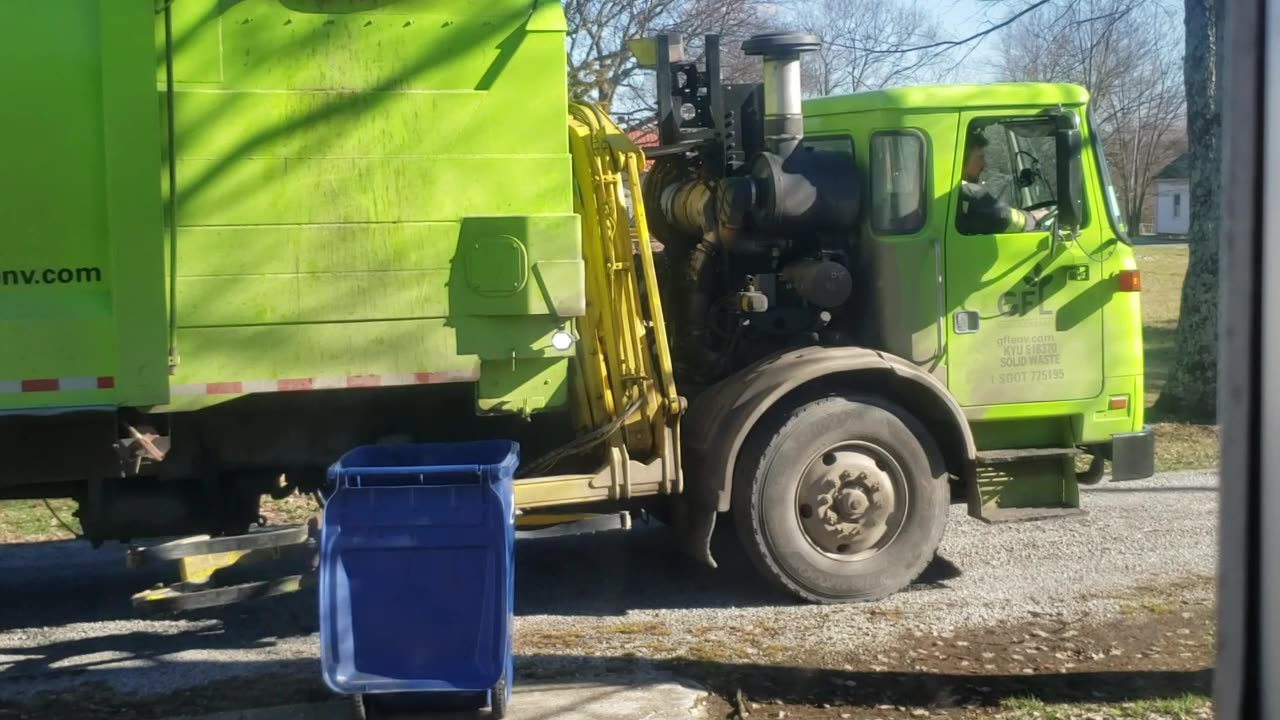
604,574
795,686
611,573
838,688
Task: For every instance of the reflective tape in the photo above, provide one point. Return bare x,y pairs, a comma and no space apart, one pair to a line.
70,384
246,387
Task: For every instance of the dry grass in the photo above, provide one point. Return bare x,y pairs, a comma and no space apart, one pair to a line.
31,521
1185,446
293,510
1185,707
1179,445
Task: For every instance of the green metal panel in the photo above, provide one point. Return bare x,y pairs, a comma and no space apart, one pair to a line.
951,97
374,187
1039,336
907,266
81,271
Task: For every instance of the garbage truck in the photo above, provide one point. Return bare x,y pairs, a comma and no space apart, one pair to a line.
242,237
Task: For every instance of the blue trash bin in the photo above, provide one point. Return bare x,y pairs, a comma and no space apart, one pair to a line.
416,577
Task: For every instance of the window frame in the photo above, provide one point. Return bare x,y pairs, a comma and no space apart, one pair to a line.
926,184
1003,119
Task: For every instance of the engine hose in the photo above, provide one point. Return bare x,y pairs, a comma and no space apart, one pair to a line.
700,279
580,444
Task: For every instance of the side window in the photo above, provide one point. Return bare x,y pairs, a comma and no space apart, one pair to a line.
998,165
1009,173
899,193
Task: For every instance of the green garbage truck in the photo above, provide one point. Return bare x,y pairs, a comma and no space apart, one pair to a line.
243,236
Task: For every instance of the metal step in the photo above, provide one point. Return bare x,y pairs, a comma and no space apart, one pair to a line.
573,525
1025,484
993,457
225,570
274,537
185,596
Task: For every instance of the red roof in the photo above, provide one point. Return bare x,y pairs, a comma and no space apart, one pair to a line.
644,138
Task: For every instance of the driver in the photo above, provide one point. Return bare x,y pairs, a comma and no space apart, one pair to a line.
982,213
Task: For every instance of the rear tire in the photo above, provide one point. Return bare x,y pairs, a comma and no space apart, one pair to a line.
840,499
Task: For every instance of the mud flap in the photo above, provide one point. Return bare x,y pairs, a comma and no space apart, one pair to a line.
1133,455
694,524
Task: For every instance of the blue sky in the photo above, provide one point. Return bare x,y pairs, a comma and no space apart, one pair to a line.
962,18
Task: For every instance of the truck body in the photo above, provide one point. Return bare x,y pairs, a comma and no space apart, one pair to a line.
243,237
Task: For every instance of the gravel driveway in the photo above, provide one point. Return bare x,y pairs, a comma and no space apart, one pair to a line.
66,622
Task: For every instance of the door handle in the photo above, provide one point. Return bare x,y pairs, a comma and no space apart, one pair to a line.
965,322
941,324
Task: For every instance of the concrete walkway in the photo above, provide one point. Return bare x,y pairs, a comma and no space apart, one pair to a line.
629,697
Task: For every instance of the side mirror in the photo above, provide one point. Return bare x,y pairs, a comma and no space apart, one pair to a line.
1070,177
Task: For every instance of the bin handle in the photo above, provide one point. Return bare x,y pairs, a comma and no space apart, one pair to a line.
354,477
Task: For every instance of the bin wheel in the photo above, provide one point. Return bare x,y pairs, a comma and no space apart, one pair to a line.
498,699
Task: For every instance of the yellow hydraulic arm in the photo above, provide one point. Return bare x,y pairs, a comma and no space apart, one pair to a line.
624,392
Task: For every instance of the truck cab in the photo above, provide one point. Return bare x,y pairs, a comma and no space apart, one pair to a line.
1035,331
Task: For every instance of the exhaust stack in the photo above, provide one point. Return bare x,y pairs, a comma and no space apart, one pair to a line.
783,121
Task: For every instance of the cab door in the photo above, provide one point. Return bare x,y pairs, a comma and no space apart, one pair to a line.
1023,324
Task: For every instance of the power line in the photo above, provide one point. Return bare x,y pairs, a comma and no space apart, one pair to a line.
946,43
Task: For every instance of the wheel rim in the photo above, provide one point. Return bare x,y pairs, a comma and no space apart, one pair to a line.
851,501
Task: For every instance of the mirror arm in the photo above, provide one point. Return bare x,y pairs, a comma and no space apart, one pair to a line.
1059,237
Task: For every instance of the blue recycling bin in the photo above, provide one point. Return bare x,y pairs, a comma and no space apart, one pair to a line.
416,576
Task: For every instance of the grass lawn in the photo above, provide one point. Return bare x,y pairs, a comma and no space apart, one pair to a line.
1179,445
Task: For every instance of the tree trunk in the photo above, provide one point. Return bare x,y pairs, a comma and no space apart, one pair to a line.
1192,388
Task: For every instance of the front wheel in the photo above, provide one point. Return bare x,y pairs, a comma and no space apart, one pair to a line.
841,499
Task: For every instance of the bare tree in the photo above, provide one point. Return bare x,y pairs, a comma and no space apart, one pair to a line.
1127,53
603,70
866,44
1192,389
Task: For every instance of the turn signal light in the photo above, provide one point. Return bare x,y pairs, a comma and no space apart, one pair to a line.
1118,402
1130,280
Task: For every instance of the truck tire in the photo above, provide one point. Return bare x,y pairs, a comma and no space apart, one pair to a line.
840,499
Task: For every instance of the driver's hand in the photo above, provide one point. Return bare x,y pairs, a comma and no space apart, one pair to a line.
1038,215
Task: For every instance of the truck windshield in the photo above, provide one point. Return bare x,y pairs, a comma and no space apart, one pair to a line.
1108,188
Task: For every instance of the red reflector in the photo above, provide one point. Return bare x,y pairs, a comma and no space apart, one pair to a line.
1118,403
42,385
1130,280
106,383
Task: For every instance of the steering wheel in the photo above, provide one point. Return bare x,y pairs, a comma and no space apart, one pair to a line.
1045,222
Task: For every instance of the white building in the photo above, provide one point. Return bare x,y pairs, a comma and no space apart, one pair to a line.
1173,198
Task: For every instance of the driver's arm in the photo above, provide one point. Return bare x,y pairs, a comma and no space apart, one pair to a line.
982,213
1037,215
